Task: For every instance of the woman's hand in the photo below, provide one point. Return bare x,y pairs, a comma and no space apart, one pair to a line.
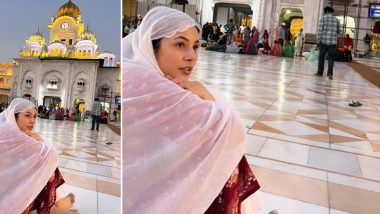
195,87
36,136
198,89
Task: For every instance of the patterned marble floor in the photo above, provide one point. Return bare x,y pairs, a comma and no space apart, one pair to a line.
373,63
90,167
304,142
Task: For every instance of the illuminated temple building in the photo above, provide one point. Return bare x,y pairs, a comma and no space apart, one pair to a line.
5,82
68,69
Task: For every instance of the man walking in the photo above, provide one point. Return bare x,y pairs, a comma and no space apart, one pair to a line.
95,113
327,33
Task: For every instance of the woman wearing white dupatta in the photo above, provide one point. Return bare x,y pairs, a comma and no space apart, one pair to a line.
298,43
28,166
182,145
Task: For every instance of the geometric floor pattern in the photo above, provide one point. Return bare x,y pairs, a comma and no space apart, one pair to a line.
90,167
373,62
304,142
311,152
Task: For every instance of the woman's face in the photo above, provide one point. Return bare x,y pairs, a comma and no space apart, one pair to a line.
27,119
177,55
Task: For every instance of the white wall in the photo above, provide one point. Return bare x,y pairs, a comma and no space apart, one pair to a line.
68,71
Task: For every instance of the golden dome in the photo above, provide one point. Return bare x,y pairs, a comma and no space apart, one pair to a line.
87,35
68,9
37,37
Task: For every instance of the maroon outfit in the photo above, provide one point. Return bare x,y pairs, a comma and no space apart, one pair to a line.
239,186
348,42
266,40
46,198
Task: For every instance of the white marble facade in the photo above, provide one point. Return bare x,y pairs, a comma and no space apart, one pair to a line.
60,77
70,69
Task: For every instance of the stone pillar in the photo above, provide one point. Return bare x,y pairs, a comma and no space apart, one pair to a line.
363,23
268,7
261,16
69,90
312,12
93,68
255,12
39,87
207,8
276,10
17,80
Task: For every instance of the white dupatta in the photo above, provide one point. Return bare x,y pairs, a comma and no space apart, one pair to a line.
178,150
25,164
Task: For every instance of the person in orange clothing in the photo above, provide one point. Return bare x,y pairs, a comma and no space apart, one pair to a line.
238,40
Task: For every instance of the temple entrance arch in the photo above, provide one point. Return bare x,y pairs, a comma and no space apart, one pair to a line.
3,99
287,15
293,20
375,40
350,25
80,104
240,13
53,100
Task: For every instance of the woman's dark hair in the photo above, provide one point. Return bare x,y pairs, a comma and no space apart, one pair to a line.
156,44
16,114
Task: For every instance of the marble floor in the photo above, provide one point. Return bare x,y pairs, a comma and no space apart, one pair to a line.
308,148
88,162
373,62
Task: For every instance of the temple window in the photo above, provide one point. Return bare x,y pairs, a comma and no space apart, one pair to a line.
52,84
28,83
81,84
104,90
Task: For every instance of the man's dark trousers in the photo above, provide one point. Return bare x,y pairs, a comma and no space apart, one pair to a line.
97,120
330,50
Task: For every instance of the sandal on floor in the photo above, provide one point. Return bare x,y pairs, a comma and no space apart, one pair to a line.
354,103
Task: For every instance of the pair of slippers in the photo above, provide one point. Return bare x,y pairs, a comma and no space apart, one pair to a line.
354,103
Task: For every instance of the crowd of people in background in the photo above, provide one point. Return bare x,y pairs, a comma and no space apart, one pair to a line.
130,24
73,114
3,106
52,112
244,40
58,113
